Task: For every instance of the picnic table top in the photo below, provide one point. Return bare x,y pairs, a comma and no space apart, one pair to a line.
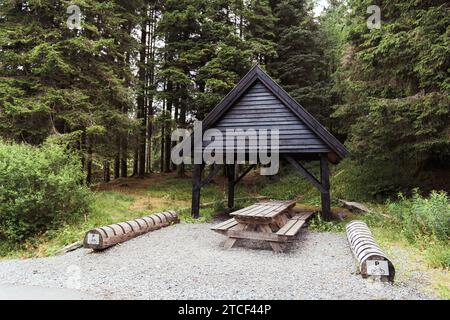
264,210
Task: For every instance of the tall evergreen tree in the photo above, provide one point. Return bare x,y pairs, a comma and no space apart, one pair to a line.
300,64
178,28
259,30
224,54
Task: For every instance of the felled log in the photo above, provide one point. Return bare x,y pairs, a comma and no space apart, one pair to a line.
71,247
107,236
371,259
350,205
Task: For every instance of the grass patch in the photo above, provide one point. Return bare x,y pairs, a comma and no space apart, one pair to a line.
443,291
171,188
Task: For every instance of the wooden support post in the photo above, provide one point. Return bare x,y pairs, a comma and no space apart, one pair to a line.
325,182
196,187
230,175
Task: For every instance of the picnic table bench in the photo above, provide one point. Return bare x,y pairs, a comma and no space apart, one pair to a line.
273,221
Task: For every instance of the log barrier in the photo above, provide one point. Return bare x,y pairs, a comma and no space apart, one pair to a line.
371,259
103,237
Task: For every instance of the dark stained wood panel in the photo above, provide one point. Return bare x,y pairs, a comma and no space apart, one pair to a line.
284,141
264,121
282,132
257,118
258,108
249,103
259,112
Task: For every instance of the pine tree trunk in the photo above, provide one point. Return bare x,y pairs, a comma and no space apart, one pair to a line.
168,145
117,164
117,159
241,26
141,101
88,160
150,86
106,171
82,155
124,157
135,162
176,106
161,165
181,171
167,131
117,167
149,168
124,139
182,124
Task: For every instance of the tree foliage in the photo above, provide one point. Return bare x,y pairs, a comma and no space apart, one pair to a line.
393,82
117,87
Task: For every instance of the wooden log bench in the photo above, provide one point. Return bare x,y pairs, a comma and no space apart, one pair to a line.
103,237
274,221
372,261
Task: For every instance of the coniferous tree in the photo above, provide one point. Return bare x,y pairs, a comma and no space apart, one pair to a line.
300,64
394,87
224,57
259,26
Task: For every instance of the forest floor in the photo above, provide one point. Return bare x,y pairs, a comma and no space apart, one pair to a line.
125,199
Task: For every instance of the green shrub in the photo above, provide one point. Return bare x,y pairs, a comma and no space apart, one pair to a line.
39,189
420,216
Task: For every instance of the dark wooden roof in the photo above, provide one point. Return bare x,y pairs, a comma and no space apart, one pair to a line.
259,102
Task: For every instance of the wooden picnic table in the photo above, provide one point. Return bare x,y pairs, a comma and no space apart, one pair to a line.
273,221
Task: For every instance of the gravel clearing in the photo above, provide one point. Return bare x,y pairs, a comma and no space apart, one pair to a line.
187,261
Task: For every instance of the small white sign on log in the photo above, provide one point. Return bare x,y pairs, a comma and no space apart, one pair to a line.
93,238
377,268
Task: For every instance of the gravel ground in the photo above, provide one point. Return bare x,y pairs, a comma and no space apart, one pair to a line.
187,261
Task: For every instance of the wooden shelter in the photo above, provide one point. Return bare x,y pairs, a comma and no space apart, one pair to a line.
258,102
